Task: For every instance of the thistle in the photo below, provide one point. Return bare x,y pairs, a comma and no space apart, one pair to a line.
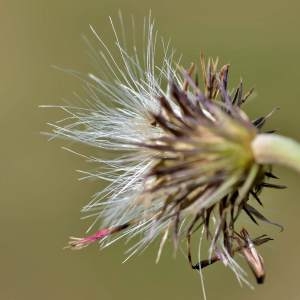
185,159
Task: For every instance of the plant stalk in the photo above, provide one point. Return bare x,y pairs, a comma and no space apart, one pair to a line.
276,149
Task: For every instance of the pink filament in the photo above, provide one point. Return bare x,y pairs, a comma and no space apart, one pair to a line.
96,236
78,243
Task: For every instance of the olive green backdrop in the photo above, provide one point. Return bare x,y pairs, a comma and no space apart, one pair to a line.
40,194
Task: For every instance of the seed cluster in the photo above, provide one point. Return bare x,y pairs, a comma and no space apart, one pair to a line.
202,173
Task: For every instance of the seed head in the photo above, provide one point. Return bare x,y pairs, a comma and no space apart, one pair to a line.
181,154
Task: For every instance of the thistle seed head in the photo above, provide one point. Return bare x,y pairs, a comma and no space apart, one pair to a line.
182,154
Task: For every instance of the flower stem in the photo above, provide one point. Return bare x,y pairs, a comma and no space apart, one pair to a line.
276,149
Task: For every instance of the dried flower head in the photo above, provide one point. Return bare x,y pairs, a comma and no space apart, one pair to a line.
185,159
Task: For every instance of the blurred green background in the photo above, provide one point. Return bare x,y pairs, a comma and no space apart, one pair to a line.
40,194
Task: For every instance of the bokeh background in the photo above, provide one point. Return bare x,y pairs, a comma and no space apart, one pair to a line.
40,194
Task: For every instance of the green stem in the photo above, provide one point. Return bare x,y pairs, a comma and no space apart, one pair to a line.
276,149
